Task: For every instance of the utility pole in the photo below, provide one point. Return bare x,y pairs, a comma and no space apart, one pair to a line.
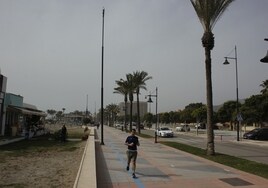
87,108
102,53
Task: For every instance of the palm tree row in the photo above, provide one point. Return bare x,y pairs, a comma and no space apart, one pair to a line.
111,110
208,12
128,87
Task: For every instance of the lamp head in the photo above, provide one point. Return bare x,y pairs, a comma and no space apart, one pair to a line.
226,62
265,59
150,100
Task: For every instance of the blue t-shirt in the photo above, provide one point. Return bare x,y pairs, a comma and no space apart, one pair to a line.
132,139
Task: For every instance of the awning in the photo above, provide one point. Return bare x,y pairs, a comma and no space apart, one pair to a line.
28,111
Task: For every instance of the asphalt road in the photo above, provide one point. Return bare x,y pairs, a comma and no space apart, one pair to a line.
225,142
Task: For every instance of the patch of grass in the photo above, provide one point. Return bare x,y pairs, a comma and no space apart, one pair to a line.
40,144
76,132
72,148
252,167
145,136
72,132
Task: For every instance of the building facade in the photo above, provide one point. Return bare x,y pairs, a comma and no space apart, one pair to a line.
16,117
143,108
19,117
3,83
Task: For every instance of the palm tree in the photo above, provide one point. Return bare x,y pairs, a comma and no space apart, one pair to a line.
127,88
123,89
52,113
208,12
112,111
265,87
131,90
139,81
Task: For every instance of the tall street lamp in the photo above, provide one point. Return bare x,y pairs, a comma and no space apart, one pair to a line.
102,52
265,59
226,62
150,101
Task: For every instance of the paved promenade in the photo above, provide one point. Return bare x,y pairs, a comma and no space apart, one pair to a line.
159,166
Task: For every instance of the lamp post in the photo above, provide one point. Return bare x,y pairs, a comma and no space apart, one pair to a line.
265,59
226,62
102,52
150,101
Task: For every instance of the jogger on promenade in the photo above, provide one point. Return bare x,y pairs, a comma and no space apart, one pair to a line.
132,142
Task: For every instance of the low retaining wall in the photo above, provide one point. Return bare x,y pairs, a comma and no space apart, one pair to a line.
86,176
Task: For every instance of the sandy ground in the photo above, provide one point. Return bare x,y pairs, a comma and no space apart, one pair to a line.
54,168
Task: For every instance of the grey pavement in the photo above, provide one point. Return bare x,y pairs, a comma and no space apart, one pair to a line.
161,166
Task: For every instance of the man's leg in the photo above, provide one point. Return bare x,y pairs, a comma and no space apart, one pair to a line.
134,164
128,159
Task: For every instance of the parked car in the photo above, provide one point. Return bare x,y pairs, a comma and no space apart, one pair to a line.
200,126
257,134
183,128
119,126
164,132
141,126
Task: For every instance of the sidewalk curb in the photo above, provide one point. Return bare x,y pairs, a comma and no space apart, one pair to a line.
86,175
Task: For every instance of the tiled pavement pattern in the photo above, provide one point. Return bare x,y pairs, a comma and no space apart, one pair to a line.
159,166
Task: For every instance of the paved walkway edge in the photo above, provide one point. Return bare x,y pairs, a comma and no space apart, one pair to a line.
4,142
86,176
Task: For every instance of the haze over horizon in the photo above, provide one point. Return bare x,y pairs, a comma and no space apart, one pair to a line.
50,51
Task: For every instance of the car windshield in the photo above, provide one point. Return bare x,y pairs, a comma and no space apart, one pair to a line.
255,130
165,129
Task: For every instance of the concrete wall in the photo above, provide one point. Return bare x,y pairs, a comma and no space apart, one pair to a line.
87,176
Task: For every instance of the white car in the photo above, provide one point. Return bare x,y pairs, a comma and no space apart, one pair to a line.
200,126
164,132
118,126
183,128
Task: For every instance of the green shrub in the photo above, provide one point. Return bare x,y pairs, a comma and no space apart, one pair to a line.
57,135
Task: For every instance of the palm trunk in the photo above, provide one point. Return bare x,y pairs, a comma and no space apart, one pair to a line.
125,119
130,121
138,114
210,132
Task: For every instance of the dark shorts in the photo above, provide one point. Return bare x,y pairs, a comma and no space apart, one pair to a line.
132,155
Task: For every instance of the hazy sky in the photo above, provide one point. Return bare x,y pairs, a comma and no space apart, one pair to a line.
50,51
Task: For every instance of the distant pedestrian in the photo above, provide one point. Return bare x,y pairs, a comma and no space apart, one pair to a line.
132,142
63,133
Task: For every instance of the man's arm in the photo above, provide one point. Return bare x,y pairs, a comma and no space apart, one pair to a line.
138,143
128,144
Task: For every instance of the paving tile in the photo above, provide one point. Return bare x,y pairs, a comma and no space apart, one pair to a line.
159,166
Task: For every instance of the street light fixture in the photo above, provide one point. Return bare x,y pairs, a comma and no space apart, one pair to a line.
265,59
226,62
150,101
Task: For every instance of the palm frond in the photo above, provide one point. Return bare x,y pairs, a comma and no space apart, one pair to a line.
210,11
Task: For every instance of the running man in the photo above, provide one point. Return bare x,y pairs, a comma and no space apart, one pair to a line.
132,142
